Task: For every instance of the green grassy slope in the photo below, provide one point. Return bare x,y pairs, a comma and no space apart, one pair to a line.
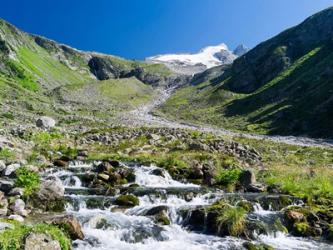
295,99
42,77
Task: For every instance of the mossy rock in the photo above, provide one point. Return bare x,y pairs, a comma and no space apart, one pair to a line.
127,200
57,206
330,233
163,219
97,203
301,228
246,205
251,246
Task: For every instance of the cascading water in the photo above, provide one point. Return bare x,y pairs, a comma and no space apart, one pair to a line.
107,226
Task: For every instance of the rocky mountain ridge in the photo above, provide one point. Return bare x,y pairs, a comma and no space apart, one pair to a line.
282,86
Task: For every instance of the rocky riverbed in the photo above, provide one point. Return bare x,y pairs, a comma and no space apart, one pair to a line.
139,188
152,210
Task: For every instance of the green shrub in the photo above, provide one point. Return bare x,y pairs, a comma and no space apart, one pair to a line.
44,140
228,176
7,154
12,239
28,180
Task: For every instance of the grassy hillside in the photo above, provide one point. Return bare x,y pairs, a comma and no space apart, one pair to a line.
41,77
295,99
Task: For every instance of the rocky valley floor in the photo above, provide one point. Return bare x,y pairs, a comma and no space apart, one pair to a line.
145,187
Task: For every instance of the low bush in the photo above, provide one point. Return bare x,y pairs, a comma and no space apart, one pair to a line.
12,239
28,180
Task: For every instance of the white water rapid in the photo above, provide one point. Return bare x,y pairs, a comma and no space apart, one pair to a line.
109,227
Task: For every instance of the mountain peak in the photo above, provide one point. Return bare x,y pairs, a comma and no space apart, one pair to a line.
240,50
206,58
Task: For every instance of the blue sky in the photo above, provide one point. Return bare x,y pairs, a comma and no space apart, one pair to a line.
136,29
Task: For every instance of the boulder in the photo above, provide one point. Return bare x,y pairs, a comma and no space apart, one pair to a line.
114,163
195,219
10,169
103,177
158,172
294,216
156,210
82,153
39,241
16,192
16,217
6,186
71,225
45,122
51,189
162,218
153,137
256,188
247,178
196,171
99,222
18,207
208,174
127,174
3,206
251,246
103,166
127,200
60,163
2,166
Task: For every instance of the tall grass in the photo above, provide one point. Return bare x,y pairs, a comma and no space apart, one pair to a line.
233,219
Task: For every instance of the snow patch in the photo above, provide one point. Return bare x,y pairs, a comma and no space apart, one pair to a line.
209,57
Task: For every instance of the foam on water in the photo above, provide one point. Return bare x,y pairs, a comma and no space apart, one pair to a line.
171,237
73,181
145,178
283,241
109,228
260,211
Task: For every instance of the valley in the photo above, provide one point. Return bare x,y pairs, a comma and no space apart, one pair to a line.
209,151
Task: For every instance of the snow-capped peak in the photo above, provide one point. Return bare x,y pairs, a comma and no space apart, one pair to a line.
207,57
214,49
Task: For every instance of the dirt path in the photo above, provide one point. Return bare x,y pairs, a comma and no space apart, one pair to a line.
143,117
